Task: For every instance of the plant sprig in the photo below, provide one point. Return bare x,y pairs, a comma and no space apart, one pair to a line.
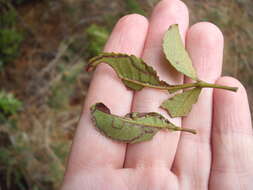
136,75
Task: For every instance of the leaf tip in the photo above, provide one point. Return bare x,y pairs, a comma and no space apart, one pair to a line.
89,68
94,61
235,89
174,25
101,107
192,131
90,65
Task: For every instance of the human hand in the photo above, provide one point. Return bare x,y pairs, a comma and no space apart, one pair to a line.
219,157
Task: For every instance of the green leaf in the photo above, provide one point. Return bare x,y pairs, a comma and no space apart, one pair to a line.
181,104
10,41
133,128
133,71
176,54
9,105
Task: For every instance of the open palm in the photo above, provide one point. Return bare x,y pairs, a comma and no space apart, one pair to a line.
219,157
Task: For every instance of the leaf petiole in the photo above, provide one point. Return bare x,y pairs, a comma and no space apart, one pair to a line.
174,88
200,84
193,131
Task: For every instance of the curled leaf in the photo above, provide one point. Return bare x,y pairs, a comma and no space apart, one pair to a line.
133,71
176,54
181,104
133,128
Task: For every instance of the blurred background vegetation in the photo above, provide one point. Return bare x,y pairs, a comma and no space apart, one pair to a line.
44,47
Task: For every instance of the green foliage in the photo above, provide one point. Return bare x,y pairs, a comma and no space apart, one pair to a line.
8,19
111,19
97,37
9,44
70,74
10,37
61,149
60,94
62,90
9,105
133,6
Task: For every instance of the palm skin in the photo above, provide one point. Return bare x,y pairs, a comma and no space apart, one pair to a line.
219,157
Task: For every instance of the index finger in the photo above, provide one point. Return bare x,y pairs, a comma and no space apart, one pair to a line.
90,149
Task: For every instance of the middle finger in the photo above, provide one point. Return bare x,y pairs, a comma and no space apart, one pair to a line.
161,150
